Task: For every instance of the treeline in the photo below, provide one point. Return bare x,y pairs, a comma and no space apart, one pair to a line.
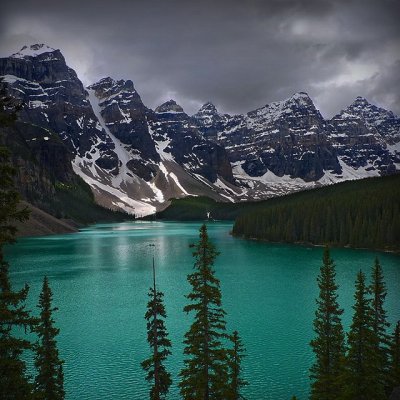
365,363
364,214
201,208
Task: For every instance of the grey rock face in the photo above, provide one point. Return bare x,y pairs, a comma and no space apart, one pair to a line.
286,138
53,97
125,116
187,146
363,136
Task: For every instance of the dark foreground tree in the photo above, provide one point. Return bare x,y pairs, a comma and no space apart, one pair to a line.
49,382
157,336
394,360
379,322
328,344
361,378
14,316
235,357
205,372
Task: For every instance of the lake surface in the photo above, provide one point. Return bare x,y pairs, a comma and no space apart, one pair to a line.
101,275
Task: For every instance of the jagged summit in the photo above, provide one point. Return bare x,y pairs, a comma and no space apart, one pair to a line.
361,107
110,83
360,102
33,50
300,95
207,108
169,107
107,81
301,99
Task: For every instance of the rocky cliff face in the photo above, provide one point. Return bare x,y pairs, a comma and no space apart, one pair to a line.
286,138
116,144
366,137
135,158
187,146
53,97
276,145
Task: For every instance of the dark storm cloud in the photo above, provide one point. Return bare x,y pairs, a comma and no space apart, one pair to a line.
238,54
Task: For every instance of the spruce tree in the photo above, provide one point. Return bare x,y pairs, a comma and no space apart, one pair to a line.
205,372
14,383
235,357
362,374
379,322
157,336
49,382
328,344
394,360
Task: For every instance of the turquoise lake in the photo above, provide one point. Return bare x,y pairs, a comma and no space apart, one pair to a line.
100,279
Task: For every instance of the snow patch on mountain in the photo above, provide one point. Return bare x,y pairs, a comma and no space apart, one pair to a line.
33,50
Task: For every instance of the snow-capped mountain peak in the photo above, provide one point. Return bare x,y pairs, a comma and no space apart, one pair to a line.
33,50
207,108
110,88
169,107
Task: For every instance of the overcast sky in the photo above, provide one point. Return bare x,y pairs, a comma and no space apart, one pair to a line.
238,54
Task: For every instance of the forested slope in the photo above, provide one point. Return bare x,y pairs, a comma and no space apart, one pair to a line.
362,213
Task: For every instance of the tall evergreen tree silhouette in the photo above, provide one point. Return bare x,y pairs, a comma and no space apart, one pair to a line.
205,372
14,383
379,322
235,357
157,337
328,344
362,374
394,360
49,382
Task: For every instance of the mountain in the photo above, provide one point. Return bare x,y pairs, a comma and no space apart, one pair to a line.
136,159
367,138
133,158
288,145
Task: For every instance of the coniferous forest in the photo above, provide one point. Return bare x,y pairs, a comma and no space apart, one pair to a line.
363,214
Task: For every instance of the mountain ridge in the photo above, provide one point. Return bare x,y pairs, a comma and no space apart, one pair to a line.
136,159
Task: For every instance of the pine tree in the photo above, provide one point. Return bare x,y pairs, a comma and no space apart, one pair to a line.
157,336
394,360
361,377
379,322
49,382
14,383
204,375
328,345
235,357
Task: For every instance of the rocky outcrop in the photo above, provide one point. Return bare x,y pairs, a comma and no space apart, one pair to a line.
187,146
365,136
53,98
286,138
